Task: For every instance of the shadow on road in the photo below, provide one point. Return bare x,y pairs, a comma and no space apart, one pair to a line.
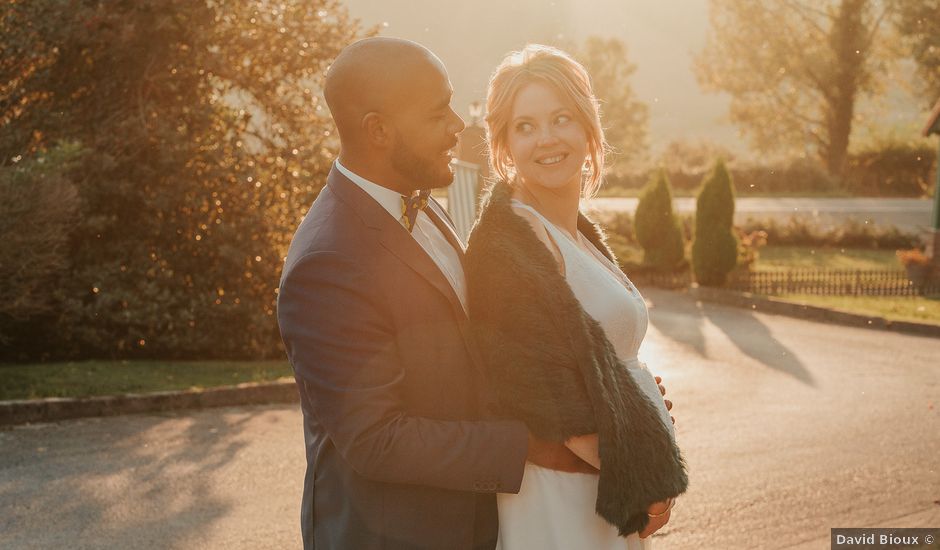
755,340
678,317
682,319
102,483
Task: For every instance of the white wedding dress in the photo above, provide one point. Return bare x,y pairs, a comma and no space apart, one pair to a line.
555,510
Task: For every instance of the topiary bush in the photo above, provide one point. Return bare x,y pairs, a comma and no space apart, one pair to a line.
657,226
715,247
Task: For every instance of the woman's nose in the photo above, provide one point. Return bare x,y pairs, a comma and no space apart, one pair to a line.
546,136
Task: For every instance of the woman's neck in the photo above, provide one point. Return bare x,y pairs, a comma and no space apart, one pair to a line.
559,205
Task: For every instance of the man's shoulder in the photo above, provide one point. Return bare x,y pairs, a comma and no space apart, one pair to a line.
329,226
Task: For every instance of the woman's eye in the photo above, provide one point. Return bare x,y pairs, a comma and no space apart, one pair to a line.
524,127
561,119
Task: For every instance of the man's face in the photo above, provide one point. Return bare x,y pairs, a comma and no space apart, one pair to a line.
426,131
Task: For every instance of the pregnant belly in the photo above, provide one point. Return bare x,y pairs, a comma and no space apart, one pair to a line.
647,383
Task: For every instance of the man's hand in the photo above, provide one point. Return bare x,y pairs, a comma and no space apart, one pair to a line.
662,390
655,524
555,456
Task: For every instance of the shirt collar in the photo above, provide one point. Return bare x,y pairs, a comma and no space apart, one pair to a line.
388,199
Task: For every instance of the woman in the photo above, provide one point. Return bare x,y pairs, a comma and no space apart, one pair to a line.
560,325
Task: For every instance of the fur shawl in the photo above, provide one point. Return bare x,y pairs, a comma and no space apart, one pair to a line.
550,364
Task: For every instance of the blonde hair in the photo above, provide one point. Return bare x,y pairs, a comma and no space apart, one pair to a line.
557,69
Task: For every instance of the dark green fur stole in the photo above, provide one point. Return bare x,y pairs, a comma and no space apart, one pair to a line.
550,364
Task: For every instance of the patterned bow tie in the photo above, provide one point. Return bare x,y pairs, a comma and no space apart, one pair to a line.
410,207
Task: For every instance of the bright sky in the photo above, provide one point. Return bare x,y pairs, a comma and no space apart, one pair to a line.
471,37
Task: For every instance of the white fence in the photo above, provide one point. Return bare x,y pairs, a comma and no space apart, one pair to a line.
462,197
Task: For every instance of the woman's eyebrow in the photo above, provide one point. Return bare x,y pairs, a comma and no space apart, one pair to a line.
525,117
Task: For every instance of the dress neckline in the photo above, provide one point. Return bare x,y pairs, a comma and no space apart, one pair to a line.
584,245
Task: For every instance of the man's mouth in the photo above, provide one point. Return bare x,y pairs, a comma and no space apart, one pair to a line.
554,159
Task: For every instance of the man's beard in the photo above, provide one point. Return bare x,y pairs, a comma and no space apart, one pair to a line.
423,172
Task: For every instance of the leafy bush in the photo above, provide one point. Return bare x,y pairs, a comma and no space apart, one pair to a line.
797,231
888,168
205,141
657,227
37,214
787,177
715,247
892,169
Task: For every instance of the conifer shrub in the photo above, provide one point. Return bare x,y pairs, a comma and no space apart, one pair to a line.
715,246
657,227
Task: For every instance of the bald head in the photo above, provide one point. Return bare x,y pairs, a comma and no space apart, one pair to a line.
375,75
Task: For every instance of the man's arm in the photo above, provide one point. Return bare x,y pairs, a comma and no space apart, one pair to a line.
344,352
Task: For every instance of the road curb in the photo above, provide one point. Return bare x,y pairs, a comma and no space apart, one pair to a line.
53,409
764,304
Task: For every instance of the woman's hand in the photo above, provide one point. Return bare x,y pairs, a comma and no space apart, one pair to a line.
656,523
556,456
662,390
587,448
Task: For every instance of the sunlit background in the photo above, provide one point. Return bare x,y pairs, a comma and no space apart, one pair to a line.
155,157
661,38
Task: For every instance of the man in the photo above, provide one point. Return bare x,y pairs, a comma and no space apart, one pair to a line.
400,451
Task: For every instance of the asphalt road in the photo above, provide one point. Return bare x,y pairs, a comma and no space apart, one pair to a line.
789,428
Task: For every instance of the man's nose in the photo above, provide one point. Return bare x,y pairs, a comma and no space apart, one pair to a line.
458,123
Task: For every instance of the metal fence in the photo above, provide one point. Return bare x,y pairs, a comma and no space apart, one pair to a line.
827,282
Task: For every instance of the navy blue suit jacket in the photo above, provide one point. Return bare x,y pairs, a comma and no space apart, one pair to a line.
400,451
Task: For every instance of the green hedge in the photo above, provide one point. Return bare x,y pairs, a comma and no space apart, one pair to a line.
657,227
714,246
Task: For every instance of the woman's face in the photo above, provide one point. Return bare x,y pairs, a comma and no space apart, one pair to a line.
547,144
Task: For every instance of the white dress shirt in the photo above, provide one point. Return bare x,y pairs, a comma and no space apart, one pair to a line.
425,232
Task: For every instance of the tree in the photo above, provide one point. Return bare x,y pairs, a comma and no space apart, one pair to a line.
623,115
657,227
919,23
714,246
794,69
204,141
36,215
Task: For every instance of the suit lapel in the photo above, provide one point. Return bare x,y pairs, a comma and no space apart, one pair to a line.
394,237
447,226
397,241
443,222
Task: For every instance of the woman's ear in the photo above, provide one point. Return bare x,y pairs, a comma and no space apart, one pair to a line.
376,129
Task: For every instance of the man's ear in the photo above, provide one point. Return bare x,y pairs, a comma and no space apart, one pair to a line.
377,129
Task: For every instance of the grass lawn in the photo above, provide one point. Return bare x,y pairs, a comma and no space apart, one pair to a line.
920,309
87,378
781,258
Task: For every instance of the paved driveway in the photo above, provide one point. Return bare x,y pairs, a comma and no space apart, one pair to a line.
789,428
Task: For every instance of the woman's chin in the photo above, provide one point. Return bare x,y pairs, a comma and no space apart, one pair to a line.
555,179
